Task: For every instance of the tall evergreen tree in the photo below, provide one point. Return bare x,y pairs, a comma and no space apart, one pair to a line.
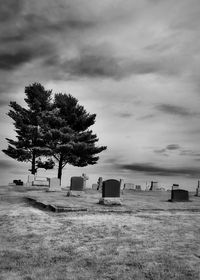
67,134
29,145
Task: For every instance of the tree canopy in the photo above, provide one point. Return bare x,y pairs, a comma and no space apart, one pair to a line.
53,128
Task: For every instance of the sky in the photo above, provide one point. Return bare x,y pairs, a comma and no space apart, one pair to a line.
136,64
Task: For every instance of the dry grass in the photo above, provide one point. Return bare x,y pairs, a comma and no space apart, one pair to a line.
150,245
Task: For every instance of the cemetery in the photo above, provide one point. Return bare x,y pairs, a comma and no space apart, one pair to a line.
109,195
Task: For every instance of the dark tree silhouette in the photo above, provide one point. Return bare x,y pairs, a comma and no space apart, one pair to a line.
67,134
30,144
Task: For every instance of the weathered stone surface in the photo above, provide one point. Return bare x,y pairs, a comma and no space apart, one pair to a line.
110,201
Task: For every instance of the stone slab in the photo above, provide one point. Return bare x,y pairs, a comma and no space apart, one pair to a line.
110,201
75,193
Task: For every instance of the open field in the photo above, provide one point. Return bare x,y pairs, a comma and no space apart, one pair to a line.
157,240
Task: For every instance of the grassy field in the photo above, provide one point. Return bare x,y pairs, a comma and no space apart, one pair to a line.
148,244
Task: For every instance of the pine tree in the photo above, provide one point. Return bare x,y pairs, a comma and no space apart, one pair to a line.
30,145
67,134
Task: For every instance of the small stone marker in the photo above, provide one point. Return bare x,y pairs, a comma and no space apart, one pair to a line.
129,186
100,183
179,195
94,186
138,188
198,189
76,186
54,185
110,193
154,186
175,186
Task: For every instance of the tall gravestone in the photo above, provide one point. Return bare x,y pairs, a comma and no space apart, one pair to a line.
154,186
121,182
110,193
100,183
198,189
179,195
54,184
85,178
76,186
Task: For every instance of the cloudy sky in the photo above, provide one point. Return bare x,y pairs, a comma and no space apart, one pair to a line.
136,64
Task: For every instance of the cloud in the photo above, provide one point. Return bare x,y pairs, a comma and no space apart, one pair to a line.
5,164
151,169
173,147
175,110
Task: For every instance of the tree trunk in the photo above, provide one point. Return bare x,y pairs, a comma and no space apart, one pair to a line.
60,168
33,170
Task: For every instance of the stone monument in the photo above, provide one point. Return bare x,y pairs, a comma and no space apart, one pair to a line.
110,193
179,195
76,186
54,184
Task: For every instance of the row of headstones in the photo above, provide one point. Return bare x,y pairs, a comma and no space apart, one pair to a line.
123,186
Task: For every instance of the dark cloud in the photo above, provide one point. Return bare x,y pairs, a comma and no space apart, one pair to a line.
173,147
175,110
6,164
146,117
125,115
150,169
9,9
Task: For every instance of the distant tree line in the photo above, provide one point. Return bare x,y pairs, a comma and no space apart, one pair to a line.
52,129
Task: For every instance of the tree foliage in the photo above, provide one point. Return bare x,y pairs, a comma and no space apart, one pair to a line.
29,143
66,130
57,128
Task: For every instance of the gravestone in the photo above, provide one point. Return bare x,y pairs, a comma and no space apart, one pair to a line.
54,184
179,195
94,186
76,186
85,178
40,181
138,188
198,189
129,186
154,186
30,180
100,183
110,193
175,186
121,182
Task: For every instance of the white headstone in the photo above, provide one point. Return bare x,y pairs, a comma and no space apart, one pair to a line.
129,186
54,184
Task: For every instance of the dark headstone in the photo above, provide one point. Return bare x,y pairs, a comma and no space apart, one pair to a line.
77,184
111,188
179,195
